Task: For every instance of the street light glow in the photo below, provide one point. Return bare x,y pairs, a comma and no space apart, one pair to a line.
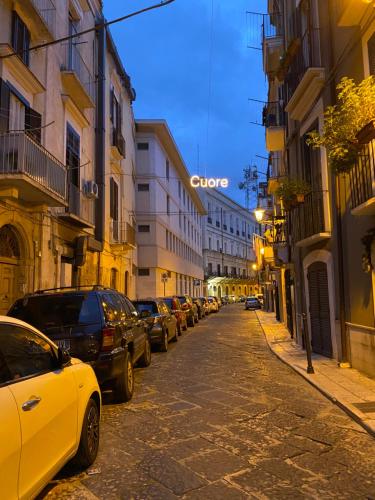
259,214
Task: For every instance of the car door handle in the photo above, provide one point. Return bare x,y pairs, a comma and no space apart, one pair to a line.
31,403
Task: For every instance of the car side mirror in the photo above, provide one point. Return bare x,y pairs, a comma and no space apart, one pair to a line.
63,357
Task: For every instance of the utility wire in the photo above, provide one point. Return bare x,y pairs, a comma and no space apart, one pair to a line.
97,27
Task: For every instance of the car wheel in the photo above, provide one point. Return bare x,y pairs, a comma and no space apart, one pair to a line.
175,338
164,342
191,322
145,359
89,442
124,387
185,327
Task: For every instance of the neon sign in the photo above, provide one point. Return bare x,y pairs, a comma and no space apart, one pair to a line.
212,182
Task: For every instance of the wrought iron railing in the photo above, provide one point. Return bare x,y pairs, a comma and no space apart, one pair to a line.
362,176
307,219
80,205
273,25
273,115
19,154
122,233
47,11
307,56
73,61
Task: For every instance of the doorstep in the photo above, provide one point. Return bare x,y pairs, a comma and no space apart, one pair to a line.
348,388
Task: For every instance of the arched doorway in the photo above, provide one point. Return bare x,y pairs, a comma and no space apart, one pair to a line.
126,284
246,291
321,341
10,255
227,290
114,274
219,291
288,302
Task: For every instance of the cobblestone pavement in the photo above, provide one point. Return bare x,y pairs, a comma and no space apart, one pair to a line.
220,417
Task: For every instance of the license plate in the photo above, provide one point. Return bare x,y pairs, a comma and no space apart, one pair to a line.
63,344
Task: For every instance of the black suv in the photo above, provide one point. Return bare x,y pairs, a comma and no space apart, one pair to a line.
97,325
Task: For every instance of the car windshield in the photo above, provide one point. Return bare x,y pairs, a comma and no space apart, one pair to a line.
56,311
252,299
182,300
146,306
169,303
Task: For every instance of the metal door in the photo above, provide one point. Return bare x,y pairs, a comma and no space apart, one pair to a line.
288,301
320,323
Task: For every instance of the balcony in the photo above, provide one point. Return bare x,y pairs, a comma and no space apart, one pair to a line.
362,181
309,221
274,121
118,148
80,211
350,12
273,42
29,172
122,235
76,77
41,16
306,77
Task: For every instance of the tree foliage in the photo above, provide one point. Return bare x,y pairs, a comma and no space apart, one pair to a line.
355,108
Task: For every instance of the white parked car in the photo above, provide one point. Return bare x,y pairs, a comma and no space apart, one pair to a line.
214,307
49,410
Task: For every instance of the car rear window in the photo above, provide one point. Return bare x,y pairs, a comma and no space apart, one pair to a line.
54,311
146,306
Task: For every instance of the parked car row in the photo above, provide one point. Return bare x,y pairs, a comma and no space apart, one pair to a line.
59,349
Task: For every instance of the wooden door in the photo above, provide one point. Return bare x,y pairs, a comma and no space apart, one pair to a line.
321,341
7,286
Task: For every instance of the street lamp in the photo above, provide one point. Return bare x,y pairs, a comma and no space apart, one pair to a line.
259,214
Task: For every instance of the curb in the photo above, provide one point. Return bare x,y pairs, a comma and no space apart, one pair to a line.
352,414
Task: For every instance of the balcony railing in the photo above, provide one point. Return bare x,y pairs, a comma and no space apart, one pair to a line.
73,62
307,56
362,176
308,218
19,154
80,209
47,11
119,142
273,115
122,233
273,26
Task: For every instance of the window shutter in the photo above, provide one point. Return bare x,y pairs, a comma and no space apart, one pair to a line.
111,104
371,54
33,123
4,106
111,198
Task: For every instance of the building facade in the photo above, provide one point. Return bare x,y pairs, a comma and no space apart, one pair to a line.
169,216
57,154
228,255
324,287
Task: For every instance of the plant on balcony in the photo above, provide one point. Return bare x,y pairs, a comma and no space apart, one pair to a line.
367,241
292,191
347,123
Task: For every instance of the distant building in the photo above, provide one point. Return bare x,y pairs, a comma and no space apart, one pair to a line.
228,254
169,213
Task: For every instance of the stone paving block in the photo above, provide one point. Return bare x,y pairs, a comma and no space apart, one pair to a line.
217,491
215,464
171,474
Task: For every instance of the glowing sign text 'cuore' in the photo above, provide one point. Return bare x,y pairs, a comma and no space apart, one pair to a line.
213,182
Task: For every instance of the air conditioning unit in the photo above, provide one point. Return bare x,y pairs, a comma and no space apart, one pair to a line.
91,189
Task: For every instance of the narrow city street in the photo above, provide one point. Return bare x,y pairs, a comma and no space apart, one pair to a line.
220,417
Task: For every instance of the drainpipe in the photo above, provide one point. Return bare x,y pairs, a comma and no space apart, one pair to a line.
336,191
100,140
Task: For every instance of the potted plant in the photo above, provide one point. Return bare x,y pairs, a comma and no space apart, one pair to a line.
348,124
292,191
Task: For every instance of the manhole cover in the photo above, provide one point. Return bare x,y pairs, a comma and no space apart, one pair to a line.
368,407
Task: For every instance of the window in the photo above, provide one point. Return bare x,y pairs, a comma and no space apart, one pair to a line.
113,200
179,189
180,219
167,169
20,38
209,243
23,353
115,114
210,268
168,205
143,187
142,271
184,195
371,54
114,274
142,146
144,228
218,245
167,239
73,155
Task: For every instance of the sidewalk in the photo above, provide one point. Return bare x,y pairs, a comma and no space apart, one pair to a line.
346,387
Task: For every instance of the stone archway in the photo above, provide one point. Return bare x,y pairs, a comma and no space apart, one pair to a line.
10,263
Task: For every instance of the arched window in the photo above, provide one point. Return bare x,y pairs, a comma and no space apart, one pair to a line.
9,246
